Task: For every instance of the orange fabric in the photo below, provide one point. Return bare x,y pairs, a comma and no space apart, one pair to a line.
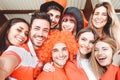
23,73
110,73
58,74
84,18
118,75
61,2
73,72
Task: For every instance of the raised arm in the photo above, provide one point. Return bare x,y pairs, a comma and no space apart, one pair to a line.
7,65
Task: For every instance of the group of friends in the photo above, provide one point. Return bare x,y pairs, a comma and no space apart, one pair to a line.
59,44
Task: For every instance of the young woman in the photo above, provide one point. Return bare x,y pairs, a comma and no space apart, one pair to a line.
102,58
72,20
80,68
14,32
105,21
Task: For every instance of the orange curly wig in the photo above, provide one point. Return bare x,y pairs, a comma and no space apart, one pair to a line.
55,36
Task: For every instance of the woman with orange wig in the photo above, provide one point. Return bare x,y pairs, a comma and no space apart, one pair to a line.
61,46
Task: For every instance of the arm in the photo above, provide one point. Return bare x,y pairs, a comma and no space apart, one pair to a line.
7,65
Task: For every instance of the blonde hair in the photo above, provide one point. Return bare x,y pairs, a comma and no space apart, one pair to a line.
112,28
97,68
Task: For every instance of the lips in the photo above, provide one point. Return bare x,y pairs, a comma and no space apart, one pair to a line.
101,59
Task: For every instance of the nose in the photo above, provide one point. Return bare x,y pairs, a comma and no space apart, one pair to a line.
40,32
60,53
99,16
87,43
100,52
52,18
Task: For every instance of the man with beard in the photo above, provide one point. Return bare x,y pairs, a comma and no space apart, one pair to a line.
54,10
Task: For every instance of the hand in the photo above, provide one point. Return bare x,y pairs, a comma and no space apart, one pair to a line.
116,58
48,67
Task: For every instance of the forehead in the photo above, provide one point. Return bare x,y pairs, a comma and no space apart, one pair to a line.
101,9
102,44
41,23
69,17
88,35
21,25
60,44
54,12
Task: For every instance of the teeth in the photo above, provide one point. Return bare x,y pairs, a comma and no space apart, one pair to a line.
101,58
19,39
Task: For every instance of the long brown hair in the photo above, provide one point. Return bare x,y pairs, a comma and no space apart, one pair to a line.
97,68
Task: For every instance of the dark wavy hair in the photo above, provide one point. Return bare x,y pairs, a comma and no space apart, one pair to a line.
4,32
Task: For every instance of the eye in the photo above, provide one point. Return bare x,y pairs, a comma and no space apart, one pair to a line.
19,30
55,50
83,39
64,49
95,49
45,30
105,49
58,17
96,13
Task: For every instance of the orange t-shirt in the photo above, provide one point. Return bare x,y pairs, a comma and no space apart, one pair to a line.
73,72
58,74
110,74
118,75
27,62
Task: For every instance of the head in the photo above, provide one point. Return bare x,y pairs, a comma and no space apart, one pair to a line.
54,10
86,39
13,32
62,45
40,26
102,54
69,23
75,16
102,17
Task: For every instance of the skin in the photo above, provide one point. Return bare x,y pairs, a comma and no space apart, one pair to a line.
68,24
54,16
103,53
39,32
100,18
60,54
18,33
85,41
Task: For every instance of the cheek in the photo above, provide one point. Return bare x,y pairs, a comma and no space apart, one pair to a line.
91,46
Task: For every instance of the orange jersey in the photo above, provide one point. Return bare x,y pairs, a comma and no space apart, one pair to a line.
118,75
110,74
27,62
58,74
75,73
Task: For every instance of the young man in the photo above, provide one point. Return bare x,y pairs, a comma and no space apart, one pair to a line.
55,10
62,46
19,63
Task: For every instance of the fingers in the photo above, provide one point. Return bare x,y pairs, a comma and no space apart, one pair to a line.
48,67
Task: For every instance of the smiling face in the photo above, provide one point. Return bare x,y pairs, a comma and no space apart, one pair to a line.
68,23
54,16
103,53
100,17
86,42
18,33
60,54
39,32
